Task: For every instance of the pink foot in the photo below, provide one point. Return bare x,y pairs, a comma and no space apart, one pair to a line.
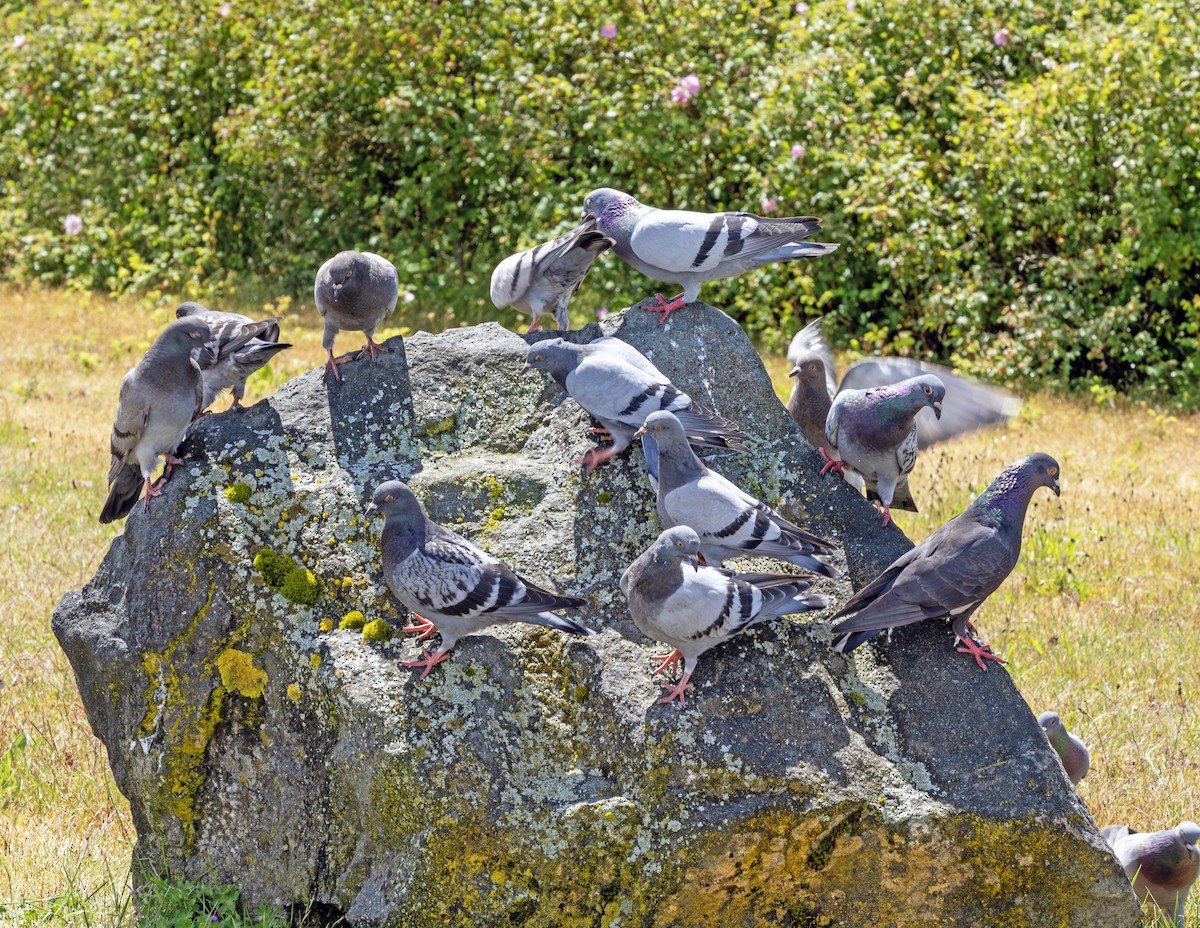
172,461
331,365
831,464
601,433
424,626
372,348
593,458
665,306
980,652
534,326
676,691
153,489
885,509
428,661
236,404
666,661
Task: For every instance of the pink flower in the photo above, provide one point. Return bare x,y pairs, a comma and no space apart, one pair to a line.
602,312
1001,36
851,6
801,8
798,150
687,88
768,204
223,9
72,224
18,41
608,31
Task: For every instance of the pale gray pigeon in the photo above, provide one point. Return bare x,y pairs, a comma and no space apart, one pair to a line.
233,368
689,248
677,600
956,568
729,521
354,290
968,405
159,399
1070,750
874,433
456,587
618,385
1162,864
542,279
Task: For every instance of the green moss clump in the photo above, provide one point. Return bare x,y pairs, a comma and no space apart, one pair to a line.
238,493
274,568
442,425
353,619
301,586
238,673
377,630
604,497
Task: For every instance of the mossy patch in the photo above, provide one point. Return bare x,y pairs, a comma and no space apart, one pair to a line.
238,493
239,675
377,630
273,567
301,586
353,620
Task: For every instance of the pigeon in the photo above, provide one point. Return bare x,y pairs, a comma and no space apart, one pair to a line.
675,598
542,279
956,568
688,248
1071,751
873,433
968,405
354,290
232,370
618,385
730,522
456,586
159,399
1162,864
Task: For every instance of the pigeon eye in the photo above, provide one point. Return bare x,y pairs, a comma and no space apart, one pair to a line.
389,497
540,357
928,391
1052,471
194,334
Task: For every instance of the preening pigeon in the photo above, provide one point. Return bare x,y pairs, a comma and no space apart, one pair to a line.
1071,751
729,522
233,368
968,405
677,600
1162,864
956,568
159,399
542,279
618,385
689,248
456,586
354,290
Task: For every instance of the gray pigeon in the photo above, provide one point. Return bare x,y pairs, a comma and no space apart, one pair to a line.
233,368
354,290
874,434
730,522
457,587
691,607
1070,750
159,399
968,405
956,568
688,248
1162,864
618,385
542,279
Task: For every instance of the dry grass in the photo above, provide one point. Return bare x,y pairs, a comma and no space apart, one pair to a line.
1098,622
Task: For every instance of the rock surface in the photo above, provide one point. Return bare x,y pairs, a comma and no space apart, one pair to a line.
533,779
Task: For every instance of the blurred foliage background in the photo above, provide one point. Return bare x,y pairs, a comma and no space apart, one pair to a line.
1014,185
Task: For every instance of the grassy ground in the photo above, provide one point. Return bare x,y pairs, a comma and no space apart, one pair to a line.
1098,622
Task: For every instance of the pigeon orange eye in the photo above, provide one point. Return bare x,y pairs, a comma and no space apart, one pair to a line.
1052,471
389,497
194,334
928,391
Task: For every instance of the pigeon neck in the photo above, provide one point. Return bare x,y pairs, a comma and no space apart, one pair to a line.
1007,497
677,461
1166,862
401,537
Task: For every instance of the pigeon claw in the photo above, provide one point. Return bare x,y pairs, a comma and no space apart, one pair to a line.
832,464
331,365
173,461
372,348
423,626
666,661
676,691
665,306
885,509
428,661
592,458
980,652
601,433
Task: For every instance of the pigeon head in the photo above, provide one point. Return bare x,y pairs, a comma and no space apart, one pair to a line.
191,339
606,205
554,356
1049,722
190,308
680,543
1190,833
809,371
394,498
341,269
1039,470
930,391
664,428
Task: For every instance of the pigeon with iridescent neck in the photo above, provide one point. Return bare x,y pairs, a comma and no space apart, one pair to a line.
689,248
951,573
354,290
1070,750
1163,865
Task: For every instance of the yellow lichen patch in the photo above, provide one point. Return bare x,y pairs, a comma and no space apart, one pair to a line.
354,619
314,660
326,625
238,673
293,692
377,630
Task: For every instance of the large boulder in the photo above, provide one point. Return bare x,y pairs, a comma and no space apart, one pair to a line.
533,779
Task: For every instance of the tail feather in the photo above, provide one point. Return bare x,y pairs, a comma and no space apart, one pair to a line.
709,429
785,600
558,622
123,494
848,642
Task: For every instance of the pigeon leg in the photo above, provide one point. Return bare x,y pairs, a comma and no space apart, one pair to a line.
595,457
534,326
172,461
676,691
428,660
236,404
332,364
152,490
666,661
601,433
372,348
832,464
424,626
885,509
979,652
665,306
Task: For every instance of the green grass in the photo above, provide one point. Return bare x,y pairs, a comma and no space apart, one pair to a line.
1098,622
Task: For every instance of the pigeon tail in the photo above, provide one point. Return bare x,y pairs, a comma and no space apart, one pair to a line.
123,494
708,429
847,643
550,620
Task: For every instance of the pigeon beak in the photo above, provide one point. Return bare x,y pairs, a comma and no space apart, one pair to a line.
526,368
587,214
794,372
372,509
1057,492
640,432
937,409
337,291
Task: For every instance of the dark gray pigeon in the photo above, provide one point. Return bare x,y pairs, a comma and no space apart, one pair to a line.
729,521
159,399
233,368
676,599
618,385
956,568
689,248
542,279
354,290
968,405
1070,750
874,434
1162,864
456,587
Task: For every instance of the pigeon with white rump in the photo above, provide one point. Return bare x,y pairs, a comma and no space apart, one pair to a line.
955,569
690,248
354,290
1162,864
233,368
729,521
1070,750
677,600
618,385
542,279
450,585
159,399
